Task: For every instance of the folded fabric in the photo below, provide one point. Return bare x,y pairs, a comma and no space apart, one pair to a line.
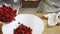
52,19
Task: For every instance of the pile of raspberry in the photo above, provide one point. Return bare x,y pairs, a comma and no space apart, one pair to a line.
7,14
22,29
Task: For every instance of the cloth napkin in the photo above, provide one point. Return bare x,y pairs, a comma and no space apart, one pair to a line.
52,19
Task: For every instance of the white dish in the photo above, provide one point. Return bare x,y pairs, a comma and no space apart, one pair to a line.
32,21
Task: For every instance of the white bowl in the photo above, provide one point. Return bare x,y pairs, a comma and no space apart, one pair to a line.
32,21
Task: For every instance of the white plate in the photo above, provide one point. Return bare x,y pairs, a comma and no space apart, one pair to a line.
29,20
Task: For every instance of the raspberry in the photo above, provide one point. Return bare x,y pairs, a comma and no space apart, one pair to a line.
7,14
22,29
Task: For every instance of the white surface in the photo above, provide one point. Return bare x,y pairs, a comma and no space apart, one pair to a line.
27,19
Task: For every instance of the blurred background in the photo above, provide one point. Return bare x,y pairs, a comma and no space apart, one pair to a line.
33,6
36,7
